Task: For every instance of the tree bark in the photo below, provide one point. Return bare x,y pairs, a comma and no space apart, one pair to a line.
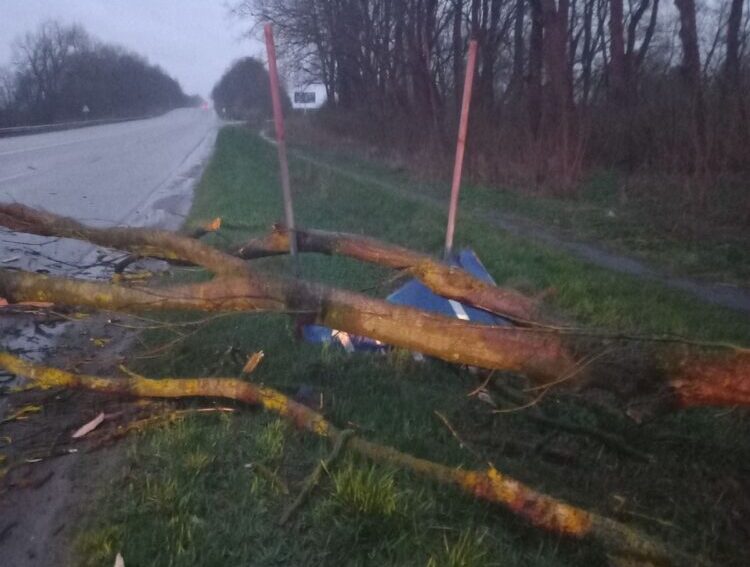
617,78
540,357
691,70
448,281
536,61
519,51
239,288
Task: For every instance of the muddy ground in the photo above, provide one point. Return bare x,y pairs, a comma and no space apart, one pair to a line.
52,477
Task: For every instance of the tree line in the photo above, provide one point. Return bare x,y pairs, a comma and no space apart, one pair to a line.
60,73
243,92
560,84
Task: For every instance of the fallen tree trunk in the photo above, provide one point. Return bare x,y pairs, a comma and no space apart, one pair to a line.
539,509
700,380
144,242
691,379
448,281
240,288
539,356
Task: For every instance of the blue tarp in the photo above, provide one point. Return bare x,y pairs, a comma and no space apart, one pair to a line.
414,293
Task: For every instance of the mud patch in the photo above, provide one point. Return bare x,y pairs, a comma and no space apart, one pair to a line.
51,475
52,478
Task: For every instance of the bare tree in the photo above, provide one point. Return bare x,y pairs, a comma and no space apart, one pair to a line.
43,57
395,69
691,72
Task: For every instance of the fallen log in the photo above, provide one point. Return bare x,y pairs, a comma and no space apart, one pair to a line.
448,281
238,287
542,511
691,379
539,356
170,246
701,380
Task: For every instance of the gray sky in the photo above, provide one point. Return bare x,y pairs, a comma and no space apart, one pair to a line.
192,40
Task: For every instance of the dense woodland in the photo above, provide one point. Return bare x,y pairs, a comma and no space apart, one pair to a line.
562,85
58,69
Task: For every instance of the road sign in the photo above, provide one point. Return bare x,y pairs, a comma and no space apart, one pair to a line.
304,97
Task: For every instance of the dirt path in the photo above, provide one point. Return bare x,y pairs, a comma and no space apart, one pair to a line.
724,295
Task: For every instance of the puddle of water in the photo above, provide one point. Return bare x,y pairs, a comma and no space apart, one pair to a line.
32,336
36,336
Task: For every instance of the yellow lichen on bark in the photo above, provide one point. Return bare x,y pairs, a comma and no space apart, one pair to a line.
541,510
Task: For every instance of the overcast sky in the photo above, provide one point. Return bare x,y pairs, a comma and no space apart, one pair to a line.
192,40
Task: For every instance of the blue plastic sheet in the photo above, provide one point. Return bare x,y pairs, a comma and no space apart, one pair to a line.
415,294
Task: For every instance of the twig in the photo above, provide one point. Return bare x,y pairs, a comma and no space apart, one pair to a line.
141,424
457,437
580,367
536,327
538,416
478,389
314,478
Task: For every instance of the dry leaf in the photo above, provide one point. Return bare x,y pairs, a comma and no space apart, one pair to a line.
213,226
100,342
89,427
252,362
119,561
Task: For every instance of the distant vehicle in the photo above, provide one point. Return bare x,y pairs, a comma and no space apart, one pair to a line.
204,106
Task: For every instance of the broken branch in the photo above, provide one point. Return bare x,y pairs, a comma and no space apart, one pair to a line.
539,509
448,281
541,356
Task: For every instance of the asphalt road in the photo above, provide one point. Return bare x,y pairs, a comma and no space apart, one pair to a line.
136,173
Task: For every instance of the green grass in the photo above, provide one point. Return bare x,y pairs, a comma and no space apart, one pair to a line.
210,489
643,217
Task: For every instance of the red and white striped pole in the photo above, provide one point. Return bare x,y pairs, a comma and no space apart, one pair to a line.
278,119
460,147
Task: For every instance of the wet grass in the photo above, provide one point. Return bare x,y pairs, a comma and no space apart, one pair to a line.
648,217
210,489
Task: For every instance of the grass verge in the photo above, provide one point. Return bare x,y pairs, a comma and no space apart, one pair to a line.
210,489
646,217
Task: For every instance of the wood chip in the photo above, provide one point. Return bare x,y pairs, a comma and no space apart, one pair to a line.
89,427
